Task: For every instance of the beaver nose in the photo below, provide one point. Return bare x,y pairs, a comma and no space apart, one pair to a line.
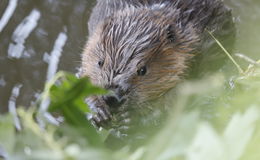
113,101
118,91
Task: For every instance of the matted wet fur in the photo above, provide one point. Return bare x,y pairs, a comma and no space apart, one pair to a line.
140,49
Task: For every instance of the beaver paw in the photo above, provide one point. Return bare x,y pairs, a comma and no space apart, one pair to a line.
101,118
122,123
102,115
110,114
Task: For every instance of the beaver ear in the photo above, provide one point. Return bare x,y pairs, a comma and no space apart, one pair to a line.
171,33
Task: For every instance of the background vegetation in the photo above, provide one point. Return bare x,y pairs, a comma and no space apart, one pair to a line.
213,118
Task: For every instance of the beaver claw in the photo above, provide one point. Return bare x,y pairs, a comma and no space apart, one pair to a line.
102,115
109,114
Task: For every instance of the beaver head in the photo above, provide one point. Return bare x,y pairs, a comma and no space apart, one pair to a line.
140,54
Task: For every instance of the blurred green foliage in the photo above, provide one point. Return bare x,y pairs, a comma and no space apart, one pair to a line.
68,97
214,118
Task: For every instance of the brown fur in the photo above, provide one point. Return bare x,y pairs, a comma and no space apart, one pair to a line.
166,61
164,36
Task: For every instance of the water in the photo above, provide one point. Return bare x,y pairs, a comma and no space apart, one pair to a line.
40,37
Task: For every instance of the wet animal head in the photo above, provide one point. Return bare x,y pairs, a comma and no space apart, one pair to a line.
139,54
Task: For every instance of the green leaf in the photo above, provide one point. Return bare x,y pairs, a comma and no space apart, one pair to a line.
67,97
7,133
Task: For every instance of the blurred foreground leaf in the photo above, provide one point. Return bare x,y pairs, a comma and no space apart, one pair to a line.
67,97
7,134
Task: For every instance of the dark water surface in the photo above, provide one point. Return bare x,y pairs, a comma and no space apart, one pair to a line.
40,37
30,44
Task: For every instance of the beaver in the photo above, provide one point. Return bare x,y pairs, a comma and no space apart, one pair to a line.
139,50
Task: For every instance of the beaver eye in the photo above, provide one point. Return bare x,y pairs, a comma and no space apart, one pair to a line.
142,71
100,63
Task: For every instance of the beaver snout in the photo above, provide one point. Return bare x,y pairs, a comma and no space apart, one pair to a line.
119,93
113,101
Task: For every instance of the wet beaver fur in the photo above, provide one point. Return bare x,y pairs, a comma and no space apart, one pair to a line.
140,49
